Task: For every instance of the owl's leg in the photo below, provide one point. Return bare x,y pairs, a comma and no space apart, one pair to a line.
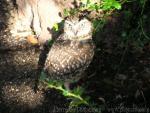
70,85
67,85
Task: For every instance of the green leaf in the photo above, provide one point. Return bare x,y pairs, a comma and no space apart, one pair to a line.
88,2
51,82
50,42
109,4
116,5
78,91
55,27
66,12
65,93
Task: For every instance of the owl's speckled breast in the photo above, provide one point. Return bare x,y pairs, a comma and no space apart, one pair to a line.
72,52
67,60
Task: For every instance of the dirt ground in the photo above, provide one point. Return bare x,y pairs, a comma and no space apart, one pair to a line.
118,78
18,70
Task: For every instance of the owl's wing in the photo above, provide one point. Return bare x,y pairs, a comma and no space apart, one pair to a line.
65,59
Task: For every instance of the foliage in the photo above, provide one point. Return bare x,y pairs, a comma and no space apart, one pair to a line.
92,5
134,25
106,6
137,35
55,26
109,4
74,95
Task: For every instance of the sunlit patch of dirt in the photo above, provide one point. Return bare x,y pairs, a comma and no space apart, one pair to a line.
21,94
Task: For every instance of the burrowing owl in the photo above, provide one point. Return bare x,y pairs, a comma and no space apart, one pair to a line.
72,52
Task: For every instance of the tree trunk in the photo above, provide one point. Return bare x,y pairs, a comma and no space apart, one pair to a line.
37,16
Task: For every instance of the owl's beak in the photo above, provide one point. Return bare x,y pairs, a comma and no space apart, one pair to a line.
75,32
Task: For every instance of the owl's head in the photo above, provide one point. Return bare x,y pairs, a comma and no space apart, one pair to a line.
78,29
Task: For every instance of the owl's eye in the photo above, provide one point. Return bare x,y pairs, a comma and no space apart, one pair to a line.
69,26
82,25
